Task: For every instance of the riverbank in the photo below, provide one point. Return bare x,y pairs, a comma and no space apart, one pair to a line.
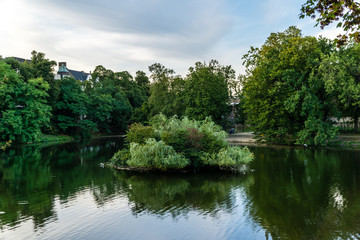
344,140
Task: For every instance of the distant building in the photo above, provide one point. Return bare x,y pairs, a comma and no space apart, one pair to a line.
65,72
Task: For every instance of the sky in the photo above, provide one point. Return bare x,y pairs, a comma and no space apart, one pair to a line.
130,35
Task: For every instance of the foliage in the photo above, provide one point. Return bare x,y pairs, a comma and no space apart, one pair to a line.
121,157
23,106
138,133
347,12
230,158
283,89
166,92
206,91
183,138
70,111
341,73
155,154
113,96
6,145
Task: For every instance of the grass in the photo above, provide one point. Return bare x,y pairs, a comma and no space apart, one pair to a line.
54,138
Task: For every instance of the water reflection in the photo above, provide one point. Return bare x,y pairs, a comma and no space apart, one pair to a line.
291,194
306,194
31,177
178,194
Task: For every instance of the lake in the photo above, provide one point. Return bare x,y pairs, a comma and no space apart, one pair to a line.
61,192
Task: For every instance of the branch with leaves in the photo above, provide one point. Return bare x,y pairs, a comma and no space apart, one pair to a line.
345,12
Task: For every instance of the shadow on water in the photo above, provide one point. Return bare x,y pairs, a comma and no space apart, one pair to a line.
291,194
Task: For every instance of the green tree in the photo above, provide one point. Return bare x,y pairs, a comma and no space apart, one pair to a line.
284,96
165,92
70,112
206,92
341,73
111,95
23,106
142,80
347,12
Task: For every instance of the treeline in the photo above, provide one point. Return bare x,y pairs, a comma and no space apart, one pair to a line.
294,89
296,86
32,103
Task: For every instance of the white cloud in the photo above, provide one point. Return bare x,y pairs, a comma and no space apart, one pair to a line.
122,35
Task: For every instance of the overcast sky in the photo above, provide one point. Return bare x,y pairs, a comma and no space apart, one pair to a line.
133,34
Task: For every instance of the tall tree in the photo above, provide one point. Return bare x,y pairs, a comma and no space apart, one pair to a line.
206,91
285,98
164,90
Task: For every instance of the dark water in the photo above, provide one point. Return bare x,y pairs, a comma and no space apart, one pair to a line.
61,192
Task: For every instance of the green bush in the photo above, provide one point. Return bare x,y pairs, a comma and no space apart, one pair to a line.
139,133
155,154
121,157
182,142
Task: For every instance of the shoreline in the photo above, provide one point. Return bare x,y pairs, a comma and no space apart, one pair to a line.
349,141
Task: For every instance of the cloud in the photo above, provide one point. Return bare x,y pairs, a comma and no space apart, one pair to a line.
120,34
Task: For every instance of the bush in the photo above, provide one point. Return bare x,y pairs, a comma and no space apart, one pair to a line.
182,142
120,158
139,133
155,154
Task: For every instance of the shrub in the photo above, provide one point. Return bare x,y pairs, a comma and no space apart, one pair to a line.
121,157
155,154
139,133
230,158
183,142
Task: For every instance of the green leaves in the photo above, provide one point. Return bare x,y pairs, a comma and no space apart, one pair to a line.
326,12
23,106
282,90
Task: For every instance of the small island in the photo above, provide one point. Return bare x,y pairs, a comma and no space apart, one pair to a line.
169,144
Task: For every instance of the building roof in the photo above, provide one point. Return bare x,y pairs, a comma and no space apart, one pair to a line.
82,76
63,69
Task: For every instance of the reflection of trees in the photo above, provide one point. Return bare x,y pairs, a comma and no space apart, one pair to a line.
306,194
178,194
31,177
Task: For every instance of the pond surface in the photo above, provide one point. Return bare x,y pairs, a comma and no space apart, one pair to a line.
61,192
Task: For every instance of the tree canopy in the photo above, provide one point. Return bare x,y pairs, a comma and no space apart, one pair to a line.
284,98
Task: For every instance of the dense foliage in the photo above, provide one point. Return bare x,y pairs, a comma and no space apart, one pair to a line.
172,143
23,106
284,95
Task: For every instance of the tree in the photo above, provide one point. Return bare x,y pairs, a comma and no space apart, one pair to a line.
142,80
112,97
284,96
70,110
206,91
23,106
347,12
341,72
165,92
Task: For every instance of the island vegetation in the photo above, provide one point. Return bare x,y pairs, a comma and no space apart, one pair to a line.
173,143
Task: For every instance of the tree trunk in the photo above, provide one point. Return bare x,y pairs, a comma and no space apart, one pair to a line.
356,123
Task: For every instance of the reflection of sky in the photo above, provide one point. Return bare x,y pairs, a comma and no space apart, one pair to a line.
82,218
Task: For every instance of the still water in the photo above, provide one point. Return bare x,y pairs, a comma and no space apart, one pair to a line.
61,192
